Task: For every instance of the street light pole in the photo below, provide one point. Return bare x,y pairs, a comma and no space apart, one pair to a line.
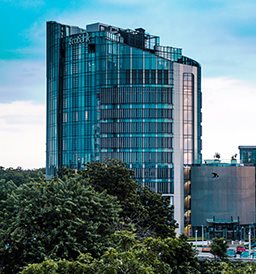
196,238
242,234
202,233
250,247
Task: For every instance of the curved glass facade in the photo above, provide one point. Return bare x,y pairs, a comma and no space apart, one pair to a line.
111,94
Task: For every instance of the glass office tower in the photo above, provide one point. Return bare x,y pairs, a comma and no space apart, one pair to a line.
116,93
247,155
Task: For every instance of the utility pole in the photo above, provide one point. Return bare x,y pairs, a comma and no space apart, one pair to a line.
196,238
250,246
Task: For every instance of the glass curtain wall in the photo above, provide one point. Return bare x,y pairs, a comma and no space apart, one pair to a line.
135,102
107,98
53,64
188,144
188,95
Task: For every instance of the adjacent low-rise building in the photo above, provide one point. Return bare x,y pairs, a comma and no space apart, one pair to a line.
223,199
247,155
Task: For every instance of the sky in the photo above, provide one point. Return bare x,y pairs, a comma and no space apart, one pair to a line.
219,34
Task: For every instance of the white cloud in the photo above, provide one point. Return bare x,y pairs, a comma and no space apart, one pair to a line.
22,134
210,34
228,121
204,35
22,80
228,116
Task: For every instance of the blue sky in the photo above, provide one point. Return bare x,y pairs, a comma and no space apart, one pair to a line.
220,34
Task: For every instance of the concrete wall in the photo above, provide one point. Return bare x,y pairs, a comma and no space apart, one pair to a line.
178,148
231,193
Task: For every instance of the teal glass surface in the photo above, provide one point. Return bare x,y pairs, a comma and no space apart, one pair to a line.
110,95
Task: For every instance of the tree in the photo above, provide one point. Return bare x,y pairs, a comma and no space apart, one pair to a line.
129,255
54,219
233,157
62,218
157,218
84,264
219,248
148,211
21,176
113,176
176,252
5,189
217,267
216,156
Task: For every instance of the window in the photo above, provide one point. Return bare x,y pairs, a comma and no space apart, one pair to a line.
91,48
65,117
86,115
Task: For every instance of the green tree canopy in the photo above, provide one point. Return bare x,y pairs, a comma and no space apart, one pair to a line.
219,248
129,255
227,267
86,264
54,219
114,177
62,218
148,211
21,176
157,216
5,189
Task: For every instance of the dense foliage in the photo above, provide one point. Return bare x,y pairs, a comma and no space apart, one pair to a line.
61,218
148,211
111,260
219,248
129,255
54,219
98,220
220,267
157,218
21,176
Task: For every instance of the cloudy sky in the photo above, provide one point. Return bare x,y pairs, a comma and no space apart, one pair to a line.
219,34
